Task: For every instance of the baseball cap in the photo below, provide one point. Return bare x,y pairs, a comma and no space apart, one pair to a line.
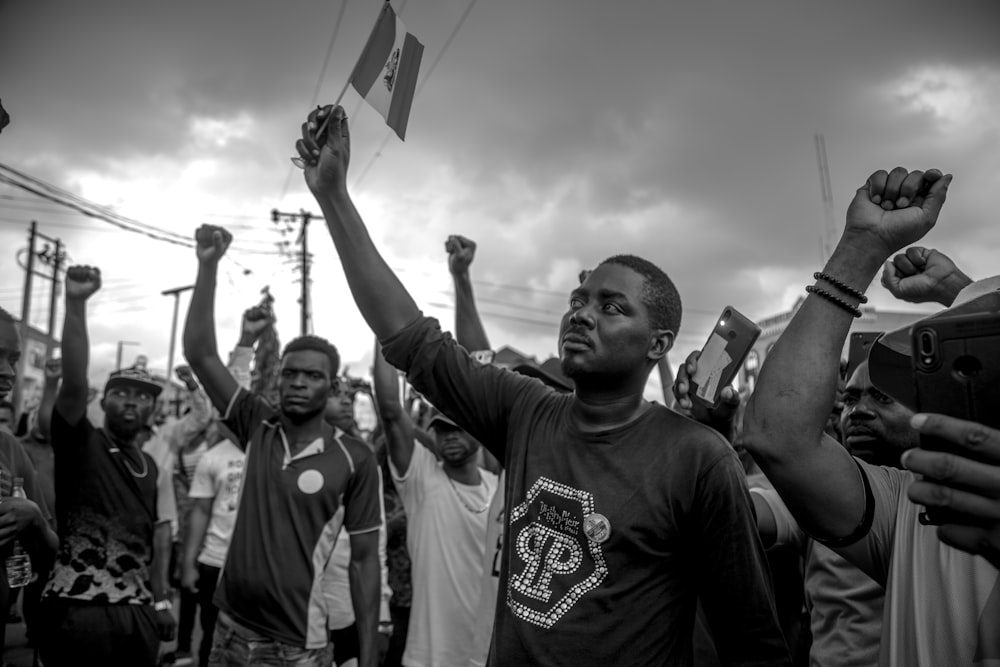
890,358
133,377
438,417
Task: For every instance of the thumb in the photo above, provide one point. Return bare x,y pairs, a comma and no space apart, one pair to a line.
936,196
338,126
890,279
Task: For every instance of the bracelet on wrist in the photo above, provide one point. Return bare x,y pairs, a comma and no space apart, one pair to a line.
841,285
163,605
834,299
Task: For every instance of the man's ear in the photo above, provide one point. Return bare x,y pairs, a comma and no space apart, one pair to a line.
660,343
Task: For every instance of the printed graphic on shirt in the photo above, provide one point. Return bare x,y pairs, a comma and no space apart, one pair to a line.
552,561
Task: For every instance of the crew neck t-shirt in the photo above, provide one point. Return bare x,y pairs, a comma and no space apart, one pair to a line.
108,502
610,537
446,538
942,605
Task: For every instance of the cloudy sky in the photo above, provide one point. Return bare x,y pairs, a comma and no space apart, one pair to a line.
554,133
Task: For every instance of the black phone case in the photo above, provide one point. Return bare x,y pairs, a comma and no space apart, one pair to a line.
738,334
857,350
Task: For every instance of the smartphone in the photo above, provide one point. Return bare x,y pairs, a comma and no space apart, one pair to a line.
723,354
956,372
956,367
857,350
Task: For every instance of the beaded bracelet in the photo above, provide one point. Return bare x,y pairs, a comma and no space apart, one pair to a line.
842,286
834,299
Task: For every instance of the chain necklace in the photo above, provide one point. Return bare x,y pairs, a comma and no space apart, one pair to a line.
114,449
462,500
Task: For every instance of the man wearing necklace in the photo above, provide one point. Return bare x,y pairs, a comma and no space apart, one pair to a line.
303,481
621,514
445,503
107,599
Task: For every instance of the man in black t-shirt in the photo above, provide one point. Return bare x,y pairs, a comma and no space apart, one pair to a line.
107,599
621,514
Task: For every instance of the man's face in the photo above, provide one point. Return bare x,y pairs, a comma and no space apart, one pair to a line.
340,407
10,353
7,420
454,446
606,330
127,409
876,428
304,385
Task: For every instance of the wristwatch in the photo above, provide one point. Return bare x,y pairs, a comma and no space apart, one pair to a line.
163,605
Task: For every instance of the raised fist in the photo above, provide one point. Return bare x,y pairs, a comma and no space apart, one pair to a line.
82,282
461,251
256,320
53,369
185,375
921,275
212,243
895,209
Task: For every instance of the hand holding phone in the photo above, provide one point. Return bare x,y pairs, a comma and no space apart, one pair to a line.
723,354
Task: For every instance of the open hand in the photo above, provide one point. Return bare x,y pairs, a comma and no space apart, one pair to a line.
461,251
895,209
920,275
212,243
327,154
82,282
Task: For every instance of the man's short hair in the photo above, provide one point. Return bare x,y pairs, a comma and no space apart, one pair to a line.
659,294
316,344
6,317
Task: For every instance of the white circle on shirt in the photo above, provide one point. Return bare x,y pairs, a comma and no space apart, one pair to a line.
310,481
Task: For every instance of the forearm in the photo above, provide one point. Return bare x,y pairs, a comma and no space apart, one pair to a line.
469,330
75,348
197,527
160,567
364,576
382,299
798,381
46,406
199,327
385,382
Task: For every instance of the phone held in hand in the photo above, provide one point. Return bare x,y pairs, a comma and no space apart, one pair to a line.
723,354
956,368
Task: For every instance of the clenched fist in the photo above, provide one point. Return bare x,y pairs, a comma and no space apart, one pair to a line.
82,282
212,243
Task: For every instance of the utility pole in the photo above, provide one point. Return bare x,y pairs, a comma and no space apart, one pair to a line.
176,293
121,344
305,260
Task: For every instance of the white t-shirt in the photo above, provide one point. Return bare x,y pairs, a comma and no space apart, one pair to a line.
490,582
218,475
446,538
942,605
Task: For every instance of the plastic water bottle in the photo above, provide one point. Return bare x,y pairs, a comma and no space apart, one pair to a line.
18,563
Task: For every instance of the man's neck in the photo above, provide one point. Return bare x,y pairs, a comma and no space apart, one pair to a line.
300,435
464,473
600,411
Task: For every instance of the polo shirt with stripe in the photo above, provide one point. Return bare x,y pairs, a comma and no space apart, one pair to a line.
291,510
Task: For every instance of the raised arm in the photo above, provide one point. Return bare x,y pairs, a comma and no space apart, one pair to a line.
53,373
469,330
398,425
381,297
194,422
81,283
783,425
200,347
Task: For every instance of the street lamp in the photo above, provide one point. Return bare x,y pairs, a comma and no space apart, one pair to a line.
176,293
121,344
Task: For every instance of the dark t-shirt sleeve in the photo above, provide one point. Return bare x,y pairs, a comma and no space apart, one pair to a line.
478,397
69,438
733,579
362,499
244,414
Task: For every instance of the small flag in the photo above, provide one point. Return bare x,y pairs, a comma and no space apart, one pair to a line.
386,73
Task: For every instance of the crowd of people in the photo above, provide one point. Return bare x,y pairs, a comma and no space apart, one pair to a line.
511,516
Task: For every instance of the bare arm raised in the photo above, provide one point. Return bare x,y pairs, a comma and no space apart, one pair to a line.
200,347
469,329
398,425
783,425
381,297
81,283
